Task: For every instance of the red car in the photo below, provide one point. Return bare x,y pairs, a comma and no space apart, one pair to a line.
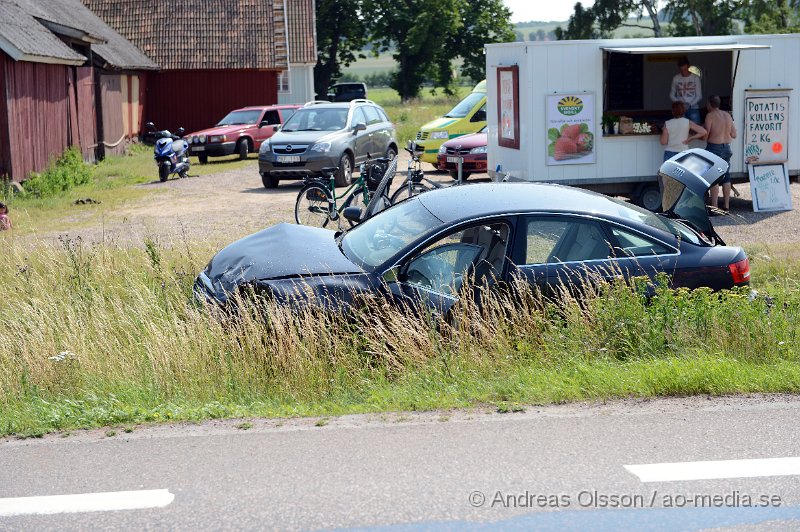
471,147
242,131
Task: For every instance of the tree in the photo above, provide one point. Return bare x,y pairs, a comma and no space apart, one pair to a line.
427,36
581,25
775,16
702,17
341,35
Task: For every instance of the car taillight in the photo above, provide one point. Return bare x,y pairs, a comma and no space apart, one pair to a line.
740,271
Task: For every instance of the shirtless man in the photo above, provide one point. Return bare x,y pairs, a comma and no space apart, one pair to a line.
721,131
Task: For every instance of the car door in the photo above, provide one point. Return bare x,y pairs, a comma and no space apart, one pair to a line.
266,124
362,143
376,131
460,264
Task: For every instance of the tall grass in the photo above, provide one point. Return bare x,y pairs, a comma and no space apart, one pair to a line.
99,335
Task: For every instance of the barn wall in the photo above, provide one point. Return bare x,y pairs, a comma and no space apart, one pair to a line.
197,99
5,155
86,135
38,114
113,116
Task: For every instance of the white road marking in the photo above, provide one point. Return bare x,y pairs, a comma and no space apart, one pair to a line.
763,467
85,502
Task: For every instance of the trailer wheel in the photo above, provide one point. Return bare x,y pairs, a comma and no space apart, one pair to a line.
649,197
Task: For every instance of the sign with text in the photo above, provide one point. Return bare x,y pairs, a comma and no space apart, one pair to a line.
766,129
769,186
570,129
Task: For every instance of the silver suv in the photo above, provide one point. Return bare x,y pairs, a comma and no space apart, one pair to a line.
325,134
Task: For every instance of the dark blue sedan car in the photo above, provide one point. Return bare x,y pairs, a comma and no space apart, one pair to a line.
428,246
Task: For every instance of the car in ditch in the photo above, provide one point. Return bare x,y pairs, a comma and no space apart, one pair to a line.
424,248
240,132
325,135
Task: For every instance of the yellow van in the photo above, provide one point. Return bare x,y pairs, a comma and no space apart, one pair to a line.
469,116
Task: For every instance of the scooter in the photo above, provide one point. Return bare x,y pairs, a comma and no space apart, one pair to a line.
171,153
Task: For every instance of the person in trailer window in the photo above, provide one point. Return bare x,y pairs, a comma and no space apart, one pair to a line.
686,88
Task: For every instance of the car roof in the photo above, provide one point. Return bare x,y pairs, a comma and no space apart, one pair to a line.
259,107
457,203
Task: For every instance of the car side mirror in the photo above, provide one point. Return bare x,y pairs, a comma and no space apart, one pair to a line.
479,116
275,128
352,213
264,123
361,126
150,126
180,131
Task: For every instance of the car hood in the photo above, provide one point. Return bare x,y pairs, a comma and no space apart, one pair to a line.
279,252
439,123
306,137
223,130
685,180
473,140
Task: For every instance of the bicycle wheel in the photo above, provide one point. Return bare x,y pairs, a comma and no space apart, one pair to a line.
402,193
314,206
355,199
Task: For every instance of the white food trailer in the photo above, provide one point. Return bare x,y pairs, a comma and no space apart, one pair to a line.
550,102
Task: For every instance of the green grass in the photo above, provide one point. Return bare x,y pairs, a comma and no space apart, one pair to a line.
143,352
112,184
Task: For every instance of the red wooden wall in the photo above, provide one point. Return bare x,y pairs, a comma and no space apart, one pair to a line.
197,99
5,155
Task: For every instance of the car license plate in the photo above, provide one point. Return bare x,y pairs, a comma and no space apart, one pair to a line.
288,158
453,160
198,148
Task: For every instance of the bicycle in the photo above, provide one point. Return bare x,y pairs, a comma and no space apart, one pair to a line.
413,185
317,202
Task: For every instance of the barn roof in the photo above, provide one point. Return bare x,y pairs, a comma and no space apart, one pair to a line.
301,27
202,34
30,28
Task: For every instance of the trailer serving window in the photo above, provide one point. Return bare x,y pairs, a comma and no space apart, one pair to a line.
637,80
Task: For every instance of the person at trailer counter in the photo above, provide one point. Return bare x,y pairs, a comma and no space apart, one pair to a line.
721,131
679,132
686,88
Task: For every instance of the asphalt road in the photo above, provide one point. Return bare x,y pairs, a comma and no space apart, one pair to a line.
548,468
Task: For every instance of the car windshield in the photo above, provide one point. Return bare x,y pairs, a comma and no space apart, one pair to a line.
317,119
240,118
465,106
675,228
383,236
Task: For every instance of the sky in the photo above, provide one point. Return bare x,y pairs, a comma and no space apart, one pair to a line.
544,10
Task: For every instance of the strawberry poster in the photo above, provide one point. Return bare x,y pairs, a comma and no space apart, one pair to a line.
570,129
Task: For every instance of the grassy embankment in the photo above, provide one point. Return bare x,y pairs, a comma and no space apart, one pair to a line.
95,336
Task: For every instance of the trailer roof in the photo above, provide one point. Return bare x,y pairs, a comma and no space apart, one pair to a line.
684,48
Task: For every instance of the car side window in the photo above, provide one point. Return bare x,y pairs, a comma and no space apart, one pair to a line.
358,117
271,118
550,240
382,113
631,244
478,251
480,115
372,115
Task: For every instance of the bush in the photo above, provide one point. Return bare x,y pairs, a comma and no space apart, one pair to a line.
64,173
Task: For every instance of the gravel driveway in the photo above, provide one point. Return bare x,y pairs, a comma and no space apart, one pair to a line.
225,206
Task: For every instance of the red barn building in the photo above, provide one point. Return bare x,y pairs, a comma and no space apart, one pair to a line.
214,55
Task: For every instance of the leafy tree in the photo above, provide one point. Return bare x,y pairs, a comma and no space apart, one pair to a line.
771,16
702,17
341,35
426,37
581,25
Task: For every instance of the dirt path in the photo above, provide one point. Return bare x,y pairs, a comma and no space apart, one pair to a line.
232,203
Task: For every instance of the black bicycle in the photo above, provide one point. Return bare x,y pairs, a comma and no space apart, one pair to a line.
318,204
416,182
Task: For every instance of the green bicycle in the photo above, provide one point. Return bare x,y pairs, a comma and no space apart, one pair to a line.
318,204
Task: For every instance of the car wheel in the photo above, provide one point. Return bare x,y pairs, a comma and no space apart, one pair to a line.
203,159
391,153
269,180
243,149
464,175
344,177
650,197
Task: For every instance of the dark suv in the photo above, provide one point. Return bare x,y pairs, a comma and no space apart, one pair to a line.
347,92
325,134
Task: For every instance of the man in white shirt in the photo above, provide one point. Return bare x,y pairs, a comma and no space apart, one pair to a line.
686,88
